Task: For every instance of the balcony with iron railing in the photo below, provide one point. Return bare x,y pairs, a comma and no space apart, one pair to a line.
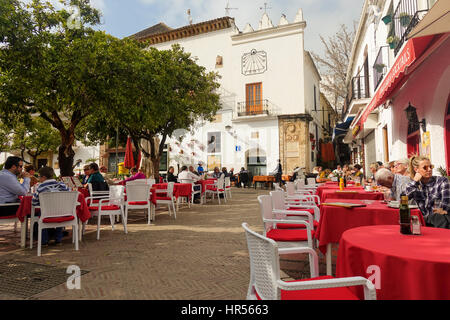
380,66
360,88
254,108
406,16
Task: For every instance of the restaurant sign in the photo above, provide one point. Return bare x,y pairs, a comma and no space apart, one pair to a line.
412,50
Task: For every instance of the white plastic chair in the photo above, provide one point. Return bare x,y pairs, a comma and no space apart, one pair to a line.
194,192
138,197
168,199
217,189
286,238
151,182
302,196
265,282
311,182
10,219
112,207
97,194
58,209
227,186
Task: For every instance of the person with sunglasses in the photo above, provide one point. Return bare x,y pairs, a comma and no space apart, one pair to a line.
10,187
431,193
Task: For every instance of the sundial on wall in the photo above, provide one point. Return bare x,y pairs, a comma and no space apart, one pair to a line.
254,62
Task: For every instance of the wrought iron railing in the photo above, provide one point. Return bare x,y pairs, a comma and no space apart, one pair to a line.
406,16
360,89
254,108
380,66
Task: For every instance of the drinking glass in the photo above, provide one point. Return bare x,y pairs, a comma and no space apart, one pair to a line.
388,196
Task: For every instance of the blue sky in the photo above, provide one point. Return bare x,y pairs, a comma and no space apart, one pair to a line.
122,18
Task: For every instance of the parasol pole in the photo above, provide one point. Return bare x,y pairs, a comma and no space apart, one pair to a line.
117,153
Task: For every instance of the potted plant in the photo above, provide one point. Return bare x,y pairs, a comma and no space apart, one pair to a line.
405,19
387,19
380,67
392,41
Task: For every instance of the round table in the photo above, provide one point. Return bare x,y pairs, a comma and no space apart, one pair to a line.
351,193
404,267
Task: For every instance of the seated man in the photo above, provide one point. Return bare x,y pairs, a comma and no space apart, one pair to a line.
216,174
186,176
10,188
96,179
191,169
136,175
401,167
48,184
397,183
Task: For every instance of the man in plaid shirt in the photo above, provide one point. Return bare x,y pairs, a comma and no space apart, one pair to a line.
431,193
48,184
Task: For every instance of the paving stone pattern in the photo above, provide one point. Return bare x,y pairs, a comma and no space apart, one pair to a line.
202,255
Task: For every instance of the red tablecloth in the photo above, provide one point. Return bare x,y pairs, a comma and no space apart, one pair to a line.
25,208
360,194
410,267
84,191
336,220
322,188
203,183
179,190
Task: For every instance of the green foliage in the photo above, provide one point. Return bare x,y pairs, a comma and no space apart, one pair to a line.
443,172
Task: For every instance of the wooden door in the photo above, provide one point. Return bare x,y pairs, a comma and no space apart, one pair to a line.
253,94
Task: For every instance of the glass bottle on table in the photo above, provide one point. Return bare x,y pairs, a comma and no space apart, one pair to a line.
341,184
405,216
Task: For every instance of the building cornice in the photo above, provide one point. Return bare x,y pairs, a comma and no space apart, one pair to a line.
283,30
190,31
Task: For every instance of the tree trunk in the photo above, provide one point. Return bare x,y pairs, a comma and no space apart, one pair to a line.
65,159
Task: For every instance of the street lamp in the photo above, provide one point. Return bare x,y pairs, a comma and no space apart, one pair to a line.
411,115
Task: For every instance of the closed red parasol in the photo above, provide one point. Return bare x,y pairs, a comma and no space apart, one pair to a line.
129,159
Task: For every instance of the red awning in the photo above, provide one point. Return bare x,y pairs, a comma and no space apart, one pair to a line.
395,78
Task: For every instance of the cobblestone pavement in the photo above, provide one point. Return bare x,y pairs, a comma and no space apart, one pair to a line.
200,255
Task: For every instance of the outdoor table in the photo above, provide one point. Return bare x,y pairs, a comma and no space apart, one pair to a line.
322,188
179,190
24,211
204,183
357,193
334,221
265,179
409,267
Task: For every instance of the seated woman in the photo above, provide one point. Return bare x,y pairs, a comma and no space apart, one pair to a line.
170,176
96,179
136,175
431,193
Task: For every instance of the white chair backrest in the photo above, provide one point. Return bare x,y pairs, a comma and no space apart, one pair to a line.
58,204
277,187
277,200
334,179
97,194
290,188
137,181
227,182
220,182
170,187
186,180
138,192
265,205
264,264
300,183
116,194
151,181
311,181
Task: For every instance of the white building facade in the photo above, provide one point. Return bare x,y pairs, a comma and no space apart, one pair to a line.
269,95
411,73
